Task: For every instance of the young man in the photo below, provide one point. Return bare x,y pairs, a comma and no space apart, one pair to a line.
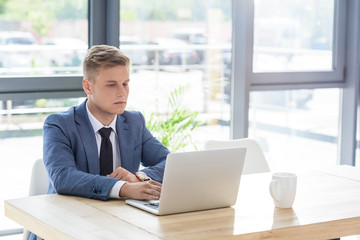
81,160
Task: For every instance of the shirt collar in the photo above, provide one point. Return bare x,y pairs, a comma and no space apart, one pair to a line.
97,125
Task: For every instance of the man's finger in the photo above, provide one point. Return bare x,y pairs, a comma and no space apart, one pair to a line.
155,183
153,192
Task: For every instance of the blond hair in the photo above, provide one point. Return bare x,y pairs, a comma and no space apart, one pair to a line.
103,56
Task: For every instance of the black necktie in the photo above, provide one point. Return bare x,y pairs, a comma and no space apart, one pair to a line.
106,154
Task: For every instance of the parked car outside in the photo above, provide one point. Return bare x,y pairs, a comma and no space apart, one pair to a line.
66,52
133,47
15,58
173,52
16,38
193,36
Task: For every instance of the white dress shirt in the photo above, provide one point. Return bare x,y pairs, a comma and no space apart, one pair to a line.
114,192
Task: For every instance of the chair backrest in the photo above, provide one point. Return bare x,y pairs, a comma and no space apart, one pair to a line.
39,182
255,161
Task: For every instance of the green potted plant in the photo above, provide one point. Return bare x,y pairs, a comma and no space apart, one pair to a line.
174,129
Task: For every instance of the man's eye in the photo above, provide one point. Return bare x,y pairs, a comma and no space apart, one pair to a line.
111,85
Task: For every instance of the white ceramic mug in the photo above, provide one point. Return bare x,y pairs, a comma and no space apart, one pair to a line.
283,189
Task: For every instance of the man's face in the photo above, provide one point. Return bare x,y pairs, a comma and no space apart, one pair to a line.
107,95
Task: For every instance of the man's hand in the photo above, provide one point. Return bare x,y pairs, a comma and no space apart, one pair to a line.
149,190
124,175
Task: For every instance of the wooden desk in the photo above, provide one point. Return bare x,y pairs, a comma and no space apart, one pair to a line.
326,206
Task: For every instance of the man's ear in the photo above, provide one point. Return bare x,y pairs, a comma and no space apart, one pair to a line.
87,86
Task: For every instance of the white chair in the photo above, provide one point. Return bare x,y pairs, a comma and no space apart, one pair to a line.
255,161
38,184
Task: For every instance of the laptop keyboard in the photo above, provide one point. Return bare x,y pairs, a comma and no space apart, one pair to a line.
153,204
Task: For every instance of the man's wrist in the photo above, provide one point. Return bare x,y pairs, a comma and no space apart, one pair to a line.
115,190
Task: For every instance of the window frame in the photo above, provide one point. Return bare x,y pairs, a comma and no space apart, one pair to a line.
345,75
309,79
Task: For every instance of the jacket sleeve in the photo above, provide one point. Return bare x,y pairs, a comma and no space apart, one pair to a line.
154,154
59,150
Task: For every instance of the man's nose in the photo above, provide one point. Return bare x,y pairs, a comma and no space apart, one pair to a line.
121,91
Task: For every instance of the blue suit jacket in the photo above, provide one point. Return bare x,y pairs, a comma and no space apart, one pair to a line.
71,155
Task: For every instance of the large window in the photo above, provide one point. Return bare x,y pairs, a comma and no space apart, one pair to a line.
180,44
297,129
297,45
293,35
42,37
298,42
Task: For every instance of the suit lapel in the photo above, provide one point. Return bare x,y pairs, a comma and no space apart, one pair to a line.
87,136
126,145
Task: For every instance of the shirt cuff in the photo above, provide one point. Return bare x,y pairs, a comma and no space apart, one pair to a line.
115,190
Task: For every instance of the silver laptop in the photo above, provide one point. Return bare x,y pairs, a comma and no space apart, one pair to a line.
198,180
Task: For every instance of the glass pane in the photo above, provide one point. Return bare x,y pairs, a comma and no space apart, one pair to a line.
297,129
293,35
180,44
42,37
21,125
